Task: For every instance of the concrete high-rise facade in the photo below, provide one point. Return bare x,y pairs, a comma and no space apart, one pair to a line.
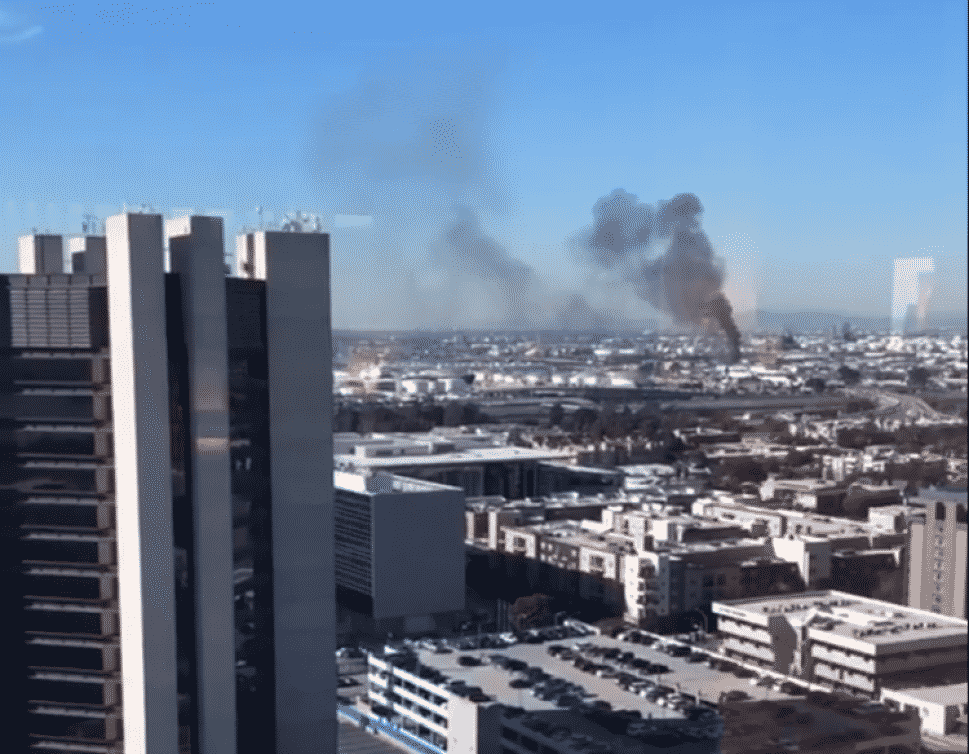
399,546
165,486
911,292
938,560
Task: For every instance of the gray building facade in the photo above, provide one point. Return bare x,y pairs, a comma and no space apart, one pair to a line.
165,459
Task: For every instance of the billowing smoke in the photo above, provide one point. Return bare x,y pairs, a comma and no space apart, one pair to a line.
408,145
684,281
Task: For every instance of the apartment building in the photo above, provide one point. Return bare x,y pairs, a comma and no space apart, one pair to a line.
166,483
853,643
399,544
938,559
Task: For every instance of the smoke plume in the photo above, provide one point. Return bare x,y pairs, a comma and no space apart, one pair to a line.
684,281
465,251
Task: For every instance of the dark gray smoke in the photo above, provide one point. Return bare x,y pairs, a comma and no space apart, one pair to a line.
685,280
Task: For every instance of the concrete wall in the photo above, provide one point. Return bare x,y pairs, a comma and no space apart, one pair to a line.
296,267
143,485
418,553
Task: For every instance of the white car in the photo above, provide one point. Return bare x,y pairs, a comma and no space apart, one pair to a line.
508,638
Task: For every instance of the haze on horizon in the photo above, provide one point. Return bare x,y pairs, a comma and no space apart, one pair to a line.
821,140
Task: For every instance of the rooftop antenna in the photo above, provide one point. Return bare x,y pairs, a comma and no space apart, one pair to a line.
259,210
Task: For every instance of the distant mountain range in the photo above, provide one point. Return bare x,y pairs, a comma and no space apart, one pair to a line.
755,321
805,322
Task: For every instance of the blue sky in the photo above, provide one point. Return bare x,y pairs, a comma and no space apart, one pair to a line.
824,139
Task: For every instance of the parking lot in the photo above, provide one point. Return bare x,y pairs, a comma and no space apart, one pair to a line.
517,685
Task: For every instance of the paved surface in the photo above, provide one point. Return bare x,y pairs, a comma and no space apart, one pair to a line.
353,740
691,678
951,743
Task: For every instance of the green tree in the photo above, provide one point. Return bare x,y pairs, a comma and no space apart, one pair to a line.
848,375
919,376
533,611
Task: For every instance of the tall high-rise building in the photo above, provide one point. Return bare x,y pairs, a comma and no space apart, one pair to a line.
937,559
911,292
166,493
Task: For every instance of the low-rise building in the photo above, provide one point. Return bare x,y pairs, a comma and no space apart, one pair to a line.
472,708
855,643
942,709
479,463
821,722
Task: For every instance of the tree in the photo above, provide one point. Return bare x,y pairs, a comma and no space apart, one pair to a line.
919,376
556,415
534,611
848,375
815,384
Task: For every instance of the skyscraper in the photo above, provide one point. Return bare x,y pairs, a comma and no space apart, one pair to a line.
911,292
166,493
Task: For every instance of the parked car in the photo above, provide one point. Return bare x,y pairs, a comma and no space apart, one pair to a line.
696,657
555,649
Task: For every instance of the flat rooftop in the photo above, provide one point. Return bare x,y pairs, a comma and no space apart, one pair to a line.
690,678
451,458
950,694
383,483
849,616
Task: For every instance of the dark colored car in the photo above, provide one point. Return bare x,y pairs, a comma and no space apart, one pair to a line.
696,657
520,683
468,661
611,654
555,649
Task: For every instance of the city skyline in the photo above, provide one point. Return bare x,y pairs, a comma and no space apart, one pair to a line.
821,142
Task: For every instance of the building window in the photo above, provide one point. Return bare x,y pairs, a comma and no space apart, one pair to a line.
960,514
940,511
